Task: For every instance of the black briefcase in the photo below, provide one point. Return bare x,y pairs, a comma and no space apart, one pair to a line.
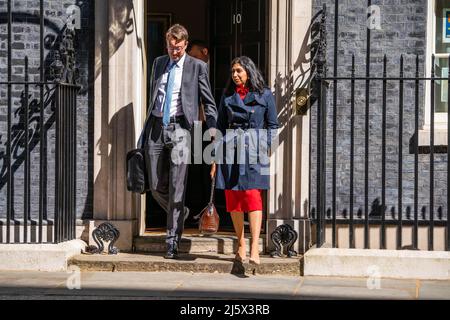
137,179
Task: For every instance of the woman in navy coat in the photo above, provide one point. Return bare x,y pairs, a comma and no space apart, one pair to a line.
248,124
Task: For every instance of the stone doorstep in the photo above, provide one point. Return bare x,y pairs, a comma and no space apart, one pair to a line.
194,243
197,263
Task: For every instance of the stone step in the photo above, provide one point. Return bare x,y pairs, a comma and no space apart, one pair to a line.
196,263
194,243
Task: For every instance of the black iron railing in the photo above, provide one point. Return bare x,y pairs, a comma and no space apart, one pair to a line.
323,215
29,126
65,205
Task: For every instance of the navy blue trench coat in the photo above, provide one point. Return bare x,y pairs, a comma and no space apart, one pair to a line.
248,128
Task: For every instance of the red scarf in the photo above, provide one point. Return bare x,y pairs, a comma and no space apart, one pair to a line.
242,90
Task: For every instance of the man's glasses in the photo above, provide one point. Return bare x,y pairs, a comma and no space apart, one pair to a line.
175,49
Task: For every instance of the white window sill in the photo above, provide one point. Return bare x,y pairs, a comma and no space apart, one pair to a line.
440,136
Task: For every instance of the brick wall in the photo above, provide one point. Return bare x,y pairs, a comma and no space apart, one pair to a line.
403,32
25,42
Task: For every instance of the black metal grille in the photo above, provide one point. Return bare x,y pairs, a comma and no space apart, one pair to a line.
323,215
55,108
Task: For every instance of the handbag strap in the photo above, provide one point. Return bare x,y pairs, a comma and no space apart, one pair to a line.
211,199
213,187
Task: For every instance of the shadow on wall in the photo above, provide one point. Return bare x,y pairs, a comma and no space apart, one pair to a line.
122,121
287,86
112,147
121,22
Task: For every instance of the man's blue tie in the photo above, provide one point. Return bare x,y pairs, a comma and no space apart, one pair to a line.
169,89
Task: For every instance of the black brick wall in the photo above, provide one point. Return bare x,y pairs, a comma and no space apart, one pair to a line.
25,42
403,32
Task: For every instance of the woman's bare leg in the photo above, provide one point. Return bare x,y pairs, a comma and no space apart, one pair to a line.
255,218
238,223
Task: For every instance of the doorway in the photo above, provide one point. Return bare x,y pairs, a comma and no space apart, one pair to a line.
231,28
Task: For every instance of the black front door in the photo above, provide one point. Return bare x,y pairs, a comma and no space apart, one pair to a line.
238,27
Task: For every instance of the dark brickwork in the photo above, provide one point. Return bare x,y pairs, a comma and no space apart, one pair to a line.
25,42
403,32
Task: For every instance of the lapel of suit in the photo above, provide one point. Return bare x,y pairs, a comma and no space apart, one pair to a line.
235,100
253,96
160,68
186,78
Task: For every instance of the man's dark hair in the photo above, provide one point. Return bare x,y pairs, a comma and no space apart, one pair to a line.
199,43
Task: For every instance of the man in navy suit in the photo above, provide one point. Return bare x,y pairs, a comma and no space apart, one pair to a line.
178,85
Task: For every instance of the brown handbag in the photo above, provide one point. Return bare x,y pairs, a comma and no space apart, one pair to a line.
209,218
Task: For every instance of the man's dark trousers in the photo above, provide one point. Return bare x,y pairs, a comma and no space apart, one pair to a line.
167,174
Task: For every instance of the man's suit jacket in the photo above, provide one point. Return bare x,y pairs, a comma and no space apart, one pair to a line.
195,88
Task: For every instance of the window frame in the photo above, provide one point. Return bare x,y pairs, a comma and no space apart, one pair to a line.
440,118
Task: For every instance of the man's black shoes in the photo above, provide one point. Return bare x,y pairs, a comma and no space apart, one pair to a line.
172,251
172,248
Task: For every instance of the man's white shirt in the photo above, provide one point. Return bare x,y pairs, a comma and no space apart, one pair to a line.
175,106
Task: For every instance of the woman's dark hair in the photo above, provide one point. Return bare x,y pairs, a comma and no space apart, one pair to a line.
255,81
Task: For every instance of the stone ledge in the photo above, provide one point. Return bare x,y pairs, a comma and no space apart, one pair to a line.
39,257
197,263
440,137
401,264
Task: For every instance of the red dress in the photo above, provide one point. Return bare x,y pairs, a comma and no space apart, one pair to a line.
243,200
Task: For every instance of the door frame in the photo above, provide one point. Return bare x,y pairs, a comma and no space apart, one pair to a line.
267,71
